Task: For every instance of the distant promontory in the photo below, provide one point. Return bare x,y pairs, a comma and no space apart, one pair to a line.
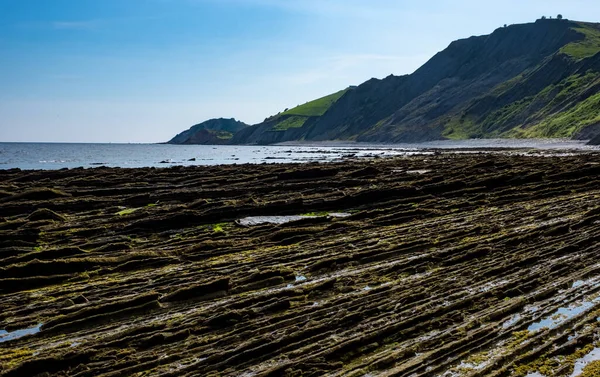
213,131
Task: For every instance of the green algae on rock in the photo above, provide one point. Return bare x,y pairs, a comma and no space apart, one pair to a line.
439,273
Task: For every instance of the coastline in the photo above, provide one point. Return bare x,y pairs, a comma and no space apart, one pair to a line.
124,271
49,156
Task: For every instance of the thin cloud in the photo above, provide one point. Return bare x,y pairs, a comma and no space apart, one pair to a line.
76,25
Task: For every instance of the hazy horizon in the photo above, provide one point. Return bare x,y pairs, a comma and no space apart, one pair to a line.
142,71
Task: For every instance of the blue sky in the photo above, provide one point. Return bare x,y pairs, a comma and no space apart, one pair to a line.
144,70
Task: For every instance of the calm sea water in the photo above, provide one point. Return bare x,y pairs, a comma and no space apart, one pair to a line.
71,155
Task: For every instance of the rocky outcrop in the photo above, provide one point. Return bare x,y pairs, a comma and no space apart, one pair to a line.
464,264
595,140
213,131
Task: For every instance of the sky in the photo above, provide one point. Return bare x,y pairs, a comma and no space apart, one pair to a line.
141,71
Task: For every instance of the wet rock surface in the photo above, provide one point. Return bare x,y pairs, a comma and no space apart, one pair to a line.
451,271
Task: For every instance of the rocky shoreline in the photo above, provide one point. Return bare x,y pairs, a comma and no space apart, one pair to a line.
445,264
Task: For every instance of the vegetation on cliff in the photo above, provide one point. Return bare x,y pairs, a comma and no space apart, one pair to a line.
317,107
539,79
213,131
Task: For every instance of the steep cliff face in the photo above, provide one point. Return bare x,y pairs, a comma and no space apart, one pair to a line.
539,79
557,99
531,80
595,140
213,131
435,101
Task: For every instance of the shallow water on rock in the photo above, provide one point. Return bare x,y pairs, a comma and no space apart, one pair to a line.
5,336
259,220
512,321
580,364
563,314
72,155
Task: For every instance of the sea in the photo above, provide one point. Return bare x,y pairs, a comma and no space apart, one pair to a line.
74,155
